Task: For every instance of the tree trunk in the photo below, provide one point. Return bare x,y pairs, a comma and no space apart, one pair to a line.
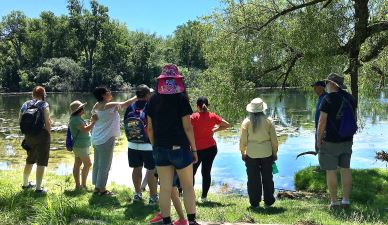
353,70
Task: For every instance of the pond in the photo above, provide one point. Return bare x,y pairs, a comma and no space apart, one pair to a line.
293,111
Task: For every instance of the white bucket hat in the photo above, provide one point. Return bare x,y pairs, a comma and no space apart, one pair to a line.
75,106
256,105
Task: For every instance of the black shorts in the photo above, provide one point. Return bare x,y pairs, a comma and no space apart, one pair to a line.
138,158
39,148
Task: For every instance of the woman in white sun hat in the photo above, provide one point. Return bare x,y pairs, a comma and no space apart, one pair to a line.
80,131
259,146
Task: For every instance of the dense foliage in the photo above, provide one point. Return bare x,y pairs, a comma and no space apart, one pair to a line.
248,43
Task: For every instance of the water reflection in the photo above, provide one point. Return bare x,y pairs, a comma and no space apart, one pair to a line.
293,111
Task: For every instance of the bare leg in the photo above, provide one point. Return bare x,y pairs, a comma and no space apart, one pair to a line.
85,170
76,169
186,180
152,183
177,203
136,178
39,176
26,173
331,178
166,174
346,177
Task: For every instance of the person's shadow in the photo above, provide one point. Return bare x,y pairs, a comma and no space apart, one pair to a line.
269,211
210,204
139,211
104,201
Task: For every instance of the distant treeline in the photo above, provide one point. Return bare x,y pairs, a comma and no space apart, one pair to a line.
245,44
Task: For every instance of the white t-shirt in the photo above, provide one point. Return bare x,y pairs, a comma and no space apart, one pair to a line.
107,126
140,146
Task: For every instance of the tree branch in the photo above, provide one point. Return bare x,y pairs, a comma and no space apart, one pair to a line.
377,28
290,67
376,49
284,12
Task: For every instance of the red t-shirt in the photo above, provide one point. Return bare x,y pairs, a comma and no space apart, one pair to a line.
203,124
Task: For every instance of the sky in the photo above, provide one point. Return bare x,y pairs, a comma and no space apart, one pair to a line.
150,16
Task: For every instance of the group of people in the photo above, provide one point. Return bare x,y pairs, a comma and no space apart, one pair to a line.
171,141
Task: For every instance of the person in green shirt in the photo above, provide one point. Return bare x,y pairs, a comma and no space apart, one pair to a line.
80,131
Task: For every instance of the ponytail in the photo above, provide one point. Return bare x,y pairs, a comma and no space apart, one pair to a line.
204,108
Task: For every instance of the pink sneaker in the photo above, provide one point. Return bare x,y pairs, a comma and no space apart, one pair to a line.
157,219
180,222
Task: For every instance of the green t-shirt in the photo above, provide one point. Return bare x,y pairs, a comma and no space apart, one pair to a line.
80,139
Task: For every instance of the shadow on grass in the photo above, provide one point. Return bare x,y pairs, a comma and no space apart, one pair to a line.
211,204
139,211
104,201
270,211
75,193
360,214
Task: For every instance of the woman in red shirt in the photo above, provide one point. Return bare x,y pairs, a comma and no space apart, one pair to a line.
205,124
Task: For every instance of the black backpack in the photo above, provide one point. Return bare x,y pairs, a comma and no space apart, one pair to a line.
32,120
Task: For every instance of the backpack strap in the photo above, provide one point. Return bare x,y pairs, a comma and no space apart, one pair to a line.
75,138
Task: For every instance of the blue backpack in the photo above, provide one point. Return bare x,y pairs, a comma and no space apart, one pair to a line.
70,139
135,124
348,121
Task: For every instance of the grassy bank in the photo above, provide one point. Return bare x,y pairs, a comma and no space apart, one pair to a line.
64,206
370,186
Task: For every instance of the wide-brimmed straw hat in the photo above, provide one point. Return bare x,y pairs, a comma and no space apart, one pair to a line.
337,80
75,106
256,105
170,81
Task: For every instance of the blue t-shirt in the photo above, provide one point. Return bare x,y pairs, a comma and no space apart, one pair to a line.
33,101
317,107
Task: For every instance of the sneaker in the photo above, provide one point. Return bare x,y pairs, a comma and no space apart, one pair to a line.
157,219
137,197
41,191
334,205
203,200
254,207
345,204
180,222
153,200
28,186
194,223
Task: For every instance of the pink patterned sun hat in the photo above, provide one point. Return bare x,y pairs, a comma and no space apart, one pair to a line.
170,81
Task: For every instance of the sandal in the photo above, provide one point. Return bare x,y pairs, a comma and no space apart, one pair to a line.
106,193
29,186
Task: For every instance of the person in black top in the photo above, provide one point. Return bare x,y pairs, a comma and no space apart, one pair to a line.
172,138
334,150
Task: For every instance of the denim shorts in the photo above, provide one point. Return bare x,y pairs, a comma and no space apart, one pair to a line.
177,156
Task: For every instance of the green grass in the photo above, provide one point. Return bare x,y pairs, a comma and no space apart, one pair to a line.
370,186
64,206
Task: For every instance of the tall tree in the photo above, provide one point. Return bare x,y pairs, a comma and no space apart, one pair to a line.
188,42
356,21
88,27
14,29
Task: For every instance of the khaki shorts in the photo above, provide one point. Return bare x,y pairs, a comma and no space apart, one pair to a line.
39,148
81,152
332,155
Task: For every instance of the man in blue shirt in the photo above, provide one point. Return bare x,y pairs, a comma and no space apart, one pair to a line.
319,89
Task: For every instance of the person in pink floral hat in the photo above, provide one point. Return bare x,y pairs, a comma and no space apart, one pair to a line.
172,138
